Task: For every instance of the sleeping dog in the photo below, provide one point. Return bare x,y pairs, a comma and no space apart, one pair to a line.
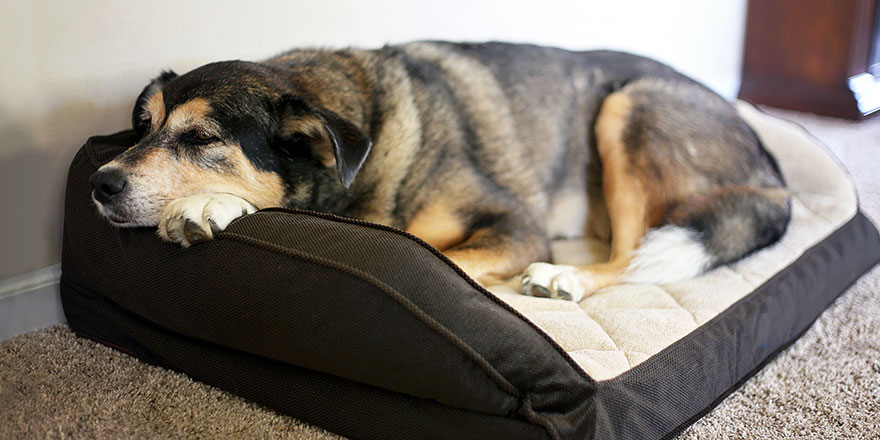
485,151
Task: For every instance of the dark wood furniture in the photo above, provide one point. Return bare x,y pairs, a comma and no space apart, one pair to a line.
820,56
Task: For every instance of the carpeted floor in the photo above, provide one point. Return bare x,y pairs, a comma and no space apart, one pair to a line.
825,386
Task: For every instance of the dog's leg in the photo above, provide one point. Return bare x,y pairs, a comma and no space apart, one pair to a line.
676,158
496,253
199,217
627,200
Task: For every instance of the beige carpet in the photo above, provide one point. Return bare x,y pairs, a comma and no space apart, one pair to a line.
56,385
826,386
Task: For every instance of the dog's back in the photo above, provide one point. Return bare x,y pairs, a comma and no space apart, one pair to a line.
521,122
486,151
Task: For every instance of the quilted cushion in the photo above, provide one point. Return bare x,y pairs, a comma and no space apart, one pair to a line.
621,326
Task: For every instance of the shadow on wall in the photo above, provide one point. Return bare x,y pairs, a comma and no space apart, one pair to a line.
33,172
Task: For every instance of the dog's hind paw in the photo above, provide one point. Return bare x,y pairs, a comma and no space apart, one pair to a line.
199,217
553,281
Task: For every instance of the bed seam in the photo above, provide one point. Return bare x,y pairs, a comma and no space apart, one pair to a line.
409,306
488,294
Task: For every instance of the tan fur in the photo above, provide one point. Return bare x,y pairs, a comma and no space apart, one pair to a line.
625,194
188,114
312,127
306,125
396,145
486,265
301,194
485,151
488,107
155,108
163,176
438,225
171,177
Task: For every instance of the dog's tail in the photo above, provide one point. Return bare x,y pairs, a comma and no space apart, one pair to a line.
708,231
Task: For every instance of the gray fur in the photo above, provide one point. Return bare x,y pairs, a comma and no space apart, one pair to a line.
501,137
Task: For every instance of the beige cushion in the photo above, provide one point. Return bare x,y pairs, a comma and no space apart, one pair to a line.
620,326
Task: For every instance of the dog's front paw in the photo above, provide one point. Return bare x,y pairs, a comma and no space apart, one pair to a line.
553,281
199,217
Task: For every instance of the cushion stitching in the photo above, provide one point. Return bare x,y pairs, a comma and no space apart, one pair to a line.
752,299
813,212
690,312
610,351
677,303
498,301
610,338
408,305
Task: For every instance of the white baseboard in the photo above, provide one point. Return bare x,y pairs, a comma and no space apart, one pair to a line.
30,301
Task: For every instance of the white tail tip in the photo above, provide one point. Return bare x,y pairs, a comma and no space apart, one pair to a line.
667,254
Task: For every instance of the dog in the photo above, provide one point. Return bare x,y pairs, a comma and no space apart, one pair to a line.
485,151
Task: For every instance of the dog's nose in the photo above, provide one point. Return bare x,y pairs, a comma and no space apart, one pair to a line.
107,184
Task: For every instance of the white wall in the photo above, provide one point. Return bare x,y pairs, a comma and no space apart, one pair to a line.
70,69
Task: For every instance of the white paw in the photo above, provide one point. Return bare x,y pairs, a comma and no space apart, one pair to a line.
199,217
553,281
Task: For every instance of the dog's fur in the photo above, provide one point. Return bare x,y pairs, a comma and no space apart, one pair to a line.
485,151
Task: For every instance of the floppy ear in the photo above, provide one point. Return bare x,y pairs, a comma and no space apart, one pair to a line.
350,145
330,134
138,114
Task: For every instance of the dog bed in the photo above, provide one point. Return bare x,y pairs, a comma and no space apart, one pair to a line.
369,332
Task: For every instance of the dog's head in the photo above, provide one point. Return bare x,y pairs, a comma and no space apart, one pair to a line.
233,127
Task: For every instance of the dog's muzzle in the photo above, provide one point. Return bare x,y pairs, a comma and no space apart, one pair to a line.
107,185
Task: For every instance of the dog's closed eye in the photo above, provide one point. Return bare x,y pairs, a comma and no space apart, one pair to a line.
199,137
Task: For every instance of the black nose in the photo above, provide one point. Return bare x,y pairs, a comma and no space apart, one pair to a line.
107,184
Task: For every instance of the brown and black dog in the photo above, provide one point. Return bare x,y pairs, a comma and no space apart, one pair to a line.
485,151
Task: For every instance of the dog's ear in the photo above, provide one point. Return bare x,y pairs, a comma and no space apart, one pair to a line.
138,115
334,140
350,145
